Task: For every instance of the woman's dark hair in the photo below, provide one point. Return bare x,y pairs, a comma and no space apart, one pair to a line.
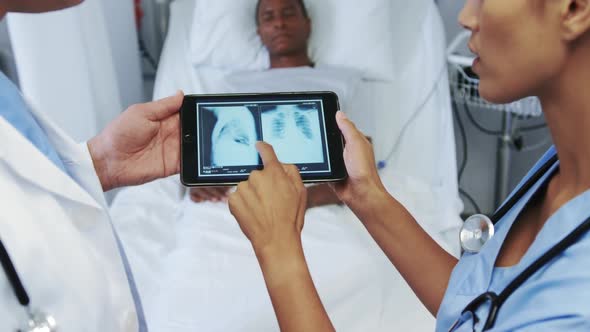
301,5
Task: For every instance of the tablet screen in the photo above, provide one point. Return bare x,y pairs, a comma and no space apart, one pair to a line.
227,133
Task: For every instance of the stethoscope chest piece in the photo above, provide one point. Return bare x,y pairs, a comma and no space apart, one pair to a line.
39,322
475,232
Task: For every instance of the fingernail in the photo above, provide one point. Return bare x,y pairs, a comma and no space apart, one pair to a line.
342,115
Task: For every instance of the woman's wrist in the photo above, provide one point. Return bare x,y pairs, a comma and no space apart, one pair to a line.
284,248
281,261
370,203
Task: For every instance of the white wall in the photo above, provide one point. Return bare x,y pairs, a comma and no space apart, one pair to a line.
124,47
80,66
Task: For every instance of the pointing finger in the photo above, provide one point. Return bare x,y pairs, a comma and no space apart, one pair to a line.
267,153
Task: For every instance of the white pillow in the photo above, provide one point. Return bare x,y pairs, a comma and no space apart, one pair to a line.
349,33
223,35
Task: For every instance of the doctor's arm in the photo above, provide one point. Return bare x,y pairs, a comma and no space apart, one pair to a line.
270,208
139,146
419,259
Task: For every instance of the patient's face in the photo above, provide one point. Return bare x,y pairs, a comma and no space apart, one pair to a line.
283,27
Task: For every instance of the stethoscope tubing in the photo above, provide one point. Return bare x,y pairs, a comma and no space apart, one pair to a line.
519,194
13,278
560,247
498,300
478,229
37,320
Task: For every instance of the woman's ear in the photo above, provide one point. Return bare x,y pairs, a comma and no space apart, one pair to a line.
575,18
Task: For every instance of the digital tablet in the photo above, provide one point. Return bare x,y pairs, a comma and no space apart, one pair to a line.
219,133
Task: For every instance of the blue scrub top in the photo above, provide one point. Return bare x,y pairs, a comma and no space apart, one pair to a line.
14,110
555,298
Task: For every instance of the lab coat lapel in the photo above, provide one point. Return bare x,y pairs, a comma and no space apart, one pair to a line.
74,155
32,166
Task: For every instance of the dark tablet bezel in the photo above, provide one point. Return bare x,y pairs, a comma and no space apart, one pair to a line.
189,143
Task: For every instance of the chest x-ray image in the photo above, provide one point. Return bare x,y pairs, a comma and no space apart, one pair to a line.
232,132
294,132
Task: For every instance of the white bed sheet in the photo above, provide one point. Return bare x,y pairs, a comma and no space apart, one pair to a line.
196,270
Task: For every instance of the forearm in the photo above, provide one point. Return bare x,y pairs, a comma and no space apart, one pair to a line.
321,195
420,260
99,161
295,300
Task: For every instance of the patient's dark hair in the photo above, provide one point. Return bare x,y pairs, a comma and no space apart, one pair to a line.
301,5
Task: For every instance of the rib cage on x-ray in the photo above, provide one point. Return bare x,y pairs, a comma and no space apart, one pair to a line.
294,132
301,122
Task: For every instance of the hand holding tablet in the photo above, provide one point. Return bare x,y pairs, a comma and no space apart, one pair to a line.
219,135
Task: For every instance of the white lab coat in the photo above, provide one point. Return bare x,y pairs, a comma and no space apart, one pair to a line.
58,234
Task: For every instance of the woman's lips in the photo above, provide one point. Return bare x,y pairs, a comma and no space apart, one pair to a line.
475,66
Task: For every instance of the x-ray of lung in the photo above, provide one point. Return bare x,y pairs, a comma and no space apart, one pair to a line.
228,133
232,134
294,132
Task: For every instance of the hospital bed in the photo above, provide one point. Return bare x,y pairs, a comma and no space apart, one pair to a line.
194,267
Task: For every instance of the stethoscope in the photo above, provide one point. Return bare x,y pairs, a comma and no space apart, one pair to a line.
478,229
37,321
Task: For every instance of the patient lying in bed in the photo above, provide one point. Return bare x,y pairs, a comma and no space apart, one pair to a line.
195,269
284,28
